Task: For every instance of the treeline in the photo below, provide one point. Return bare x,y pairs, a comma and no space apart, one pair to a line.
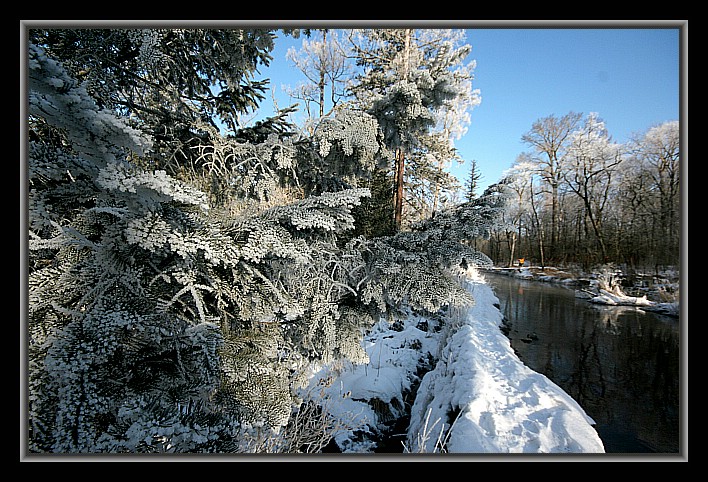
186,271
576,197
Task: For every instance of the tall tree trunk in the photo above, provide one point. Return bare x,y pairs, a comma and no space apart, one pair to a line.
596,229
511,242
398,208
321,85
400,159
539,230
554,219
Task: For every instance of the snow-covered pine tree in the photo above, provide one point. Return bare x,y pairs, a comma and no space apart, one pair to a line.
350,150
154,326
114,348
419,268
173,316
166,80
418,85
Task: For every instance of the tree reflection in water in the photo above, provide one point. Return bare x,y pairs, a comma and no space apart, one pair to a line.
622,364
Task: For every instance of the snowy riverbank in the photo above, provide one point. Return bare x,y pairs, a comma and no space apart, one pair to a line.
461,384
609,287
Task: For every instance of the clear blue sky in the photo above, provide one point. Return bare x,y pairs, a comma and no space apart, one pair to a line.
630,76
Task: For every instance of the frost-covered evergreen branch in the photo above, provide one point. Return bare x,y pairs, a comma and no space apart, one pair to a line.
177,314
142,304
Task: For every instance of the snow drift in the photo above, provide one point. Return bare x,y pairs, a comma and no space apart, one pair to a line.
476,396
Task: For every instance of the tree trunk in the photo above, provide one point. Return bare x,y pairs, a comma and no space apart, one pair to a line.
321,84
539,230
400,159
511,242
398,207
554,217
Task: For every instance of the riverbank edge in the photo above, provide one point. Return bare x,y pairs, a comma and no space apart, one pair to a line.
662,292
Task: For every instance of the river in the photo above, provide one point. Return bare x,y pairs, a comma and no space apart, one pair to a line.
621,364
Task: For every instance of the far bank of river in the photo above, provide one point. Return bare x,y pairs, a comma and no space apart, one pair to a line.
622,364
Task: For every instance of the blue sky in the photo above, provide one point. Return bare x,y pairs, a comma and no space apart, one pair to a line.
630,76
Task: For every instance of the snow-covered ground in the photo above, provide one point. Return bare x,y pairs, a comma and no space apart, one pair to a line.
475,397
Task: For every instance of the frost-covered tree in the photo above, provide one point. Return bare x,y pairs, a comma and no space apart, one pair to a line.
107,348
650,190
598,200
549,138
415,82
323,63
349,147
180,313
590,166
444,240
472,181
428,181
519,179
154,324
166,81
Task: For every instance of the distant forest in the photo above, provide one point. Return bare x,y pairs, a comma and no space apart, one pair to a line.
577,197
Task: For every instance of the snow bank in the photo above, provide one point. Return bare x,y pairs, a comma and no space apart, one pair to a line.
477,397
490,401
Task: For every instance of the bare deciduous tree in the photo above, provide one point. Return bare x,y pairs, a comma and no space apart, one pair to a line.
549,139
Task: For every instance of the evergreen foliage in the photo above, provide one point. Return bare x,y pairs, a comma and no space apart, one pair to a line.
178,312
350,149
374,216
168,78
418,87
116,318
472,181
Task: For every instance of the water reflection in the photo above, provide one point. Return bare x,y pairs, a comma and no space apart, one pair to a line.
622,364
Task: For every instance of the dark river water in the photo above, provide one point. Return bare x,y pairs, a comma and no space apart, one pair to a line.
620,363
